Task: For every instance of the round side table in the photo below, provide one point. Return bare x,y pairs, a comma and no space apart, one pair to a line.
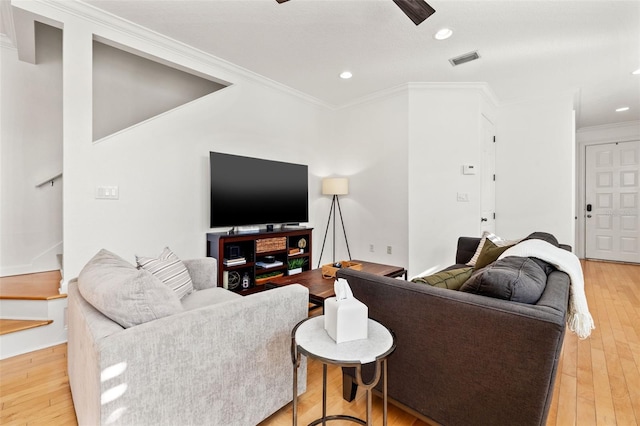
309,338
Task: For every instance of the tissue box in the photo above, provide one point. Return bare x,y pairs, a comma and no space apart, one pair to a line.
345,320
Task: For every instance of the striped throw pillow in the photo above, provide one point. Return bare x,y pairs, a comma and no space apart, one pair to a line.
170,270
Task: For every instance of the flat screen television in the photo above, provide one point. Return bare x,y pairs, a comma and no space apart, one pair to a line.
251,191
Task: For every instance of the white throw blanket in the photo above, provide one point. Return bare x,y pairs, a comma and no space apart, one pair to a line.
579,319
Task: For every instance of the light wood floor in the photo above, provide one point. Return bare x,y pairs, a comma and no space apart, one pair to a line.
39,286
598,380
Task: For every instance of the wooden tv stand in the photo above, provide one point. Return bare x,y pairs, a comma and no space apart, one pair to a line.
254,248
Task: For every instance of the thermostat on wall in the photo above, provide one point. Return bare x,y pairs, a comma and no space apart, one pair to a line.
468,170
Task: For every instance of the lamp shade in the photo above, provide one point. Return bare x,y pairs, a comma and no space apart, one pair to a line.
335,186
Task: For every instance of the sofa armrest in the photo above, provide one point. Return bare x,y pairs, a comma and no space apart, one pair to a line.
210,365
203,272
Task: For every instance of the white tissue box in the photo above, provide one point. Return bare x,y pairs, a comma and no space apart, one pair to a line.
345,320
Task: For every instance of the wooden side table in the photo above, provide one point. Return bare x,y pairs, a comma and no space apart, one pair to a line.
309,338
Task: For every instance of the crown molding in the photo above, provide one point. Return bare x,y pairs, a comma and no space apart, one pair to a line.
612,126
130,30
482,87
374,97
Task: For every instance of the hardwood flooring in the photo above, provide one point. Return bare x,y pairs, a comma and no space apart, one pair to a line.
598,380
34,389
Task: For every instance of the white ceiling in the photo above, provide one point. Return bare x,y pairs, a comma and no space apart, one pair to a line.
528,48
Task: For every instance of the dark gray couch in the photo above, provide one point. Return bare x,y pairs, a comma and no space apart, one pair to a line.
466,359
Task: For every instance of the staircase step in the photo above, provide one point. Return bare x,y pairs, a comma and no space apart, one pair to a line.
11,326
39,286
33,313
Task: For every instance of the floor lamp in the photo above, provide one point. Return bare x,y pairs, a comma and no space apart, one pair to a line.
334,187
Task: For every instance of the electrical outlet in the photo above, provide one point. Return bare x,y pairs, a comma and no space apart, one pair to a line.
389,250
371,249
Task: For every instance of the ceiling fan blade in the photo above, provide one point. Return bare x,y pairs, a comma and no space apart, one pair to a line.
416,10
281,1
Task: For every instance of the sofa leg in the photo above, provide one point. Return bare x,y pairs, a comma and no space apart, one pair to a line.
349,387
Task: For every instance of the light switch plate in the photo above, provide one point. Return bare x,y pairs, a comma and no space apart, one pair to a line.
107,192
463,197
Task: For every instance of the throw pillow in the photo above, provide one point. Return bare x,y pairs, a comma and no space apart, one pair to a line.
489,254
126,295
486,235
451,279
518,279
170,270
475,256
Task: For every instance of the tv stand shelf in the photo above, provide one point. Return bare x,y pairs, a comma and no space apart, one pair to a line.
282,244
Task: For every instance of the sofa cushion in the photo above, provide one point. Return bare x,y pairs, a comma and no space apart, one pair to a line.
489,254
125,294
450,278
170,270
518,279
208,297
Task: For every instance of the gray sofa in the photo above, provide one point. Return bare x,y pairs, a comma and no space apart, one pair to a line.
223,360
467,359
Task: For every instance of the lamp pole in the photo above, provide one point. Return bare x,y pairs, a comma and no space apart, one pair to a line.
333,202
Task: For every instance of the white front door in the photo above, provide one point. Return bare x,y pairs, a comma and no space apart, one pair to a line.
613,202
488,173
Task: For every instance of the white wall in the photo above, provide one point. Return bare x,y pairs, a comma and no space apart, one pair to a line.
535,183
444,134
128,89
622,132
162,171
30,152
369,145
161,165
403,153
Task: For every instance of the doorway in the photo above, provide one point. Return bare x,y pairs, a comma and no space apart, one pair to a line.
612,202
488,177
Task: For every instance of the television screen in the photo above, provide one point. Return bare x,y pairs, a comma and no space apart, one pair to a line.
253,191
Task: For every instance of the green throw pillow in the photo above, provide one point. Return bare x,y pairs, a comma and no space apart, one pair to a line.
489,254
451,279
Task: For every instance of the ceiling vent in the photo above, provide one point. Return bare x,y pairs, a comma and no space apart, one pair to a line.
467,57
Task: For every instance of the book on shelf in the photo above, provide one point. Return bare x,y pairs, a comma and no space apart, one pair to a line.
234,262
295,251
266,265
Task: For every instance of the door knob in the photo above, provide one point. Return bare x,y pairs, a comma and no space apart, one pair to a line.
589,215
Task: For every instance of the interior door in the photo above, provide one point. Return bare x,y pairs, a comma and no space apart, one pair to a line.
488,171
612,202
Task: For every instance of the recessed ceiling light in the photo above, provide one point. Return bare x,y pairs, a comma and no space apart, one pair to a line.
345,75
443,34
622,109
636,72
